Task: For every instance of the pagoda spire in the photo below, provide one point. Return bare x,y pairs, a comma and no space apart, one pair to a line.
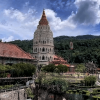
43,20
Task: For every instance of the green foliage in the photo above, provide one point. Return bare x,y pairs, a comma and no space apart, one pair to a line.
53,68
20,69
86,48
23,69
5,70
6,87
90,80
29,93
80,68
57,82
94,97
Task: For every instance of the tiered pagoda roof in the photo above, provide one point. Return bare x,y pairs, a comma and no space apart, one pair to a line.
43,20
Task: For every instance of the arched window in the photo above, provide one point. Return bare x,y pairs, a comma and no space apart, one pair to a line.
43,42
43,49
43,58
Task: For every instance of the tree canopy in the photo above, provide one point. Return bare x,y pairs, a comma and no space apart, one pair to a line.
86,48
53,68
16,70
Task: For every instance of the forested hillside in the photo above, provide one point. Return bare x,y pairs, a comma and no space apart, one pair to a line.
86,48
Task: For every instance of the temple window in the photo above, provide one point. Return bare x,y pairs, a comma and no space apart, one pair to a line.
43,49
43,58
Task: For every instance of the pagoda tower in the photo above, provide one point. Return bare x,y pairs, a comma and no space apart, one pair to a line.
43,46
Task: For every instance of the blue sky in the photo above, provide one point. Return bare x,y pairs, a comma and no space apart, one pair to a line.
19,18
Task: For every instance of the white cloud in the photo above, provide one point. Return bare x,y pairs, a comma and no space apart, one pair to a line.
56,22
10,38
88,12
23,25
14,14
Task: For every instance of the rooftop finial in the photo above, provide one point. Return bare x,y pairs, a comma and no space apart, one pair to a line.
43,20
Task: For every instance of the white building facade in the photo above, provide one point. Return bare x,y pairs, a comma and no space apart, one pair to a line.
43,46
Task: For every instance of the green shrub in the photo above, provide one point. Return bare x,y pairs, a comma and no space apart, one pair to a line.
69,91
74,91
29,93
95,97
90,80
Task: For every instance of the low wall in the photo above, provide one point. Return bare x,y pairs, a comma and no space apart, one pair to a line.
13,95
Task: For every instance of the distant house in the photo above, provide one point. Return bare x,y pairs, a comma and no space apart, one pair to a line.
59,60
10,54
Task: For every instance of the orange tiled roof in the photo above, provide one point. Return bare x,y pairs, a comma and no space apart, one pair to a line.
68,65
98,68
59,60
11,50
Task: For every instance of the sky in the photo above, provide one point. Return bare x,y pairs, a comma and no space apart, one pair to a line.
19,18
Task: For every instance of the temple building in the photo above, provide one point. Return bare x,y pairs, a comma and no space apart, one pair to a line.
59,60
11,54
43,47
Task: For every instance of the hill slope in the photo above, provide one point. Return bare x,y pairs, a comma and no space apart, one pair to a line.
86,48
